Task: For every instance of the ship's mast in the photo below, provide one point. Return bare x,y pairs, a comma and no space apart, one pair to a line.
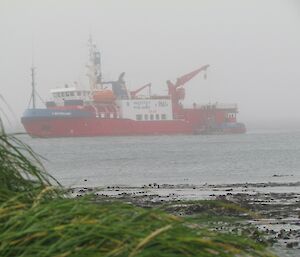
33,87
94,67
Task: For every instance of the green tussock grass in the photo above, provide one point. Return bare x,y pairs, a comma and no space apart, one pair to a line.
20,169
36,219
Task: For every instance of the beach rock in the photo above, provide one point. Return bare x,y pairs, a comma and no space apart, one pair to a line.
292,244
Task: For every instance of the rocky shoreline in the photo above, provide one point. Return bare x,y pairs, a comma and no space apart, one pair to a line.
273,208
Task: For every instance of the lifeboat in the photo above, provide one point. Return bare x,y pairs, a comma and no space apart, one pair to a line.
104,96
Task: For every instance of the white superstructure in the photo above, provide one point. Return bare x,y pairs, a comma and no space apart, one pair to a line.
146,109
59,95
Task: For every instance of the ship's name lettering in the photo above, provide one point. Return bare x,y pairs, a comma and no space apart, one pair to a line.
141,105
162,103
61,113
146,104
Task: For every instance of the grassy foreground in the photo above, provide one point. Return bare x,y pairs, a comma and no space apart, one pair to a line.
36,219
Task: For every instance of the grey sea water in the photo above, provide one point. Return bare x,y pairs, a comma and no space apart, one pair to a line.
195,159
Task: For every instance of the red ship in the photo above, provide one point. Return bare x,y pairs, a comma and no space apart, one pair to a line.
109,109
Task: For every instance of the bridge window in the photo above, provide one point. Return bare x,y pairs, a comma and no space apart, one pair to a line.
163,116
146,117
151,117
139,117
157,116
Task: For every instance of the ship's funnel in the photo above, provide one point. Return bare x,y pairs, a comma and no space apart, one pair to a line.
119,87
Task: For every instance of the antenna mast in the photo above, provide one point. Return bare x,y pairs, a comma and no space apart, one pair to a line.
33,86
33,78
94,74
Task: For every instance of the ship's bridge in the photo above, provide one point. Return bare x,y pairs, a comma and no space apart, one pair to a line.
61,96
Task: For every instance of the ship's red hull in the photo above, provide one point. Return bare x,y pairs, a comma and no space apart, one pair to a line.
81,127
73,127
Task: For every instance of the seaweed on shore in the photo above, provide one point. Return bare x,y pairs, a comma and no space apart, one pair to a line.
38,220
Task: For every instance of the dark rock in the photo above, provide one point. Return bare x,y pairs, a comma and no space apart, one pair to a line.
292,244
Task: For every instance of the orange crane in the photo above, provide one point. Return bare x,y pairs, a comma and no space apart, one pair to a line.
135,92
177,92
187,77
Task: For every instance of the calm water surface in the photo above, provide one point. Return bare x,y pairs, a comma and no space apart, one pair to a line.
195,159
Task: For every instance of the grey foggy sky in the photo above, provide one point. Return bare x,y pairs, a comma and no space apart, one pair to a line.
253,47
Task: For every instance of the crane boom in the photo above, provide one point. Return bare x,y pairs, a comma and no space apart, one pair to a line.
176,92
135,92
187,77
